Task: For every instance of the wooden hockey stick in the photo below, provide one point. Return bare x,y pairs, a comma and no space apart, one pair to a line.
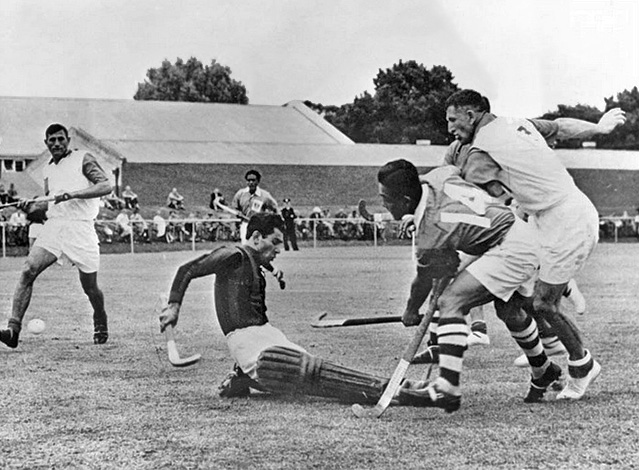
400,371
29,201
174,355
321,322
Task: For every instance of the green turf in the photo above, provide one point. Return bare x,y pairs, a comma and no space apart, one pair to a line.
67,403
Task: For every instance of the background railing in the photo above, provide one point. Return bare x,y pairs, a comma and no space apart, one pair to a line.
310,231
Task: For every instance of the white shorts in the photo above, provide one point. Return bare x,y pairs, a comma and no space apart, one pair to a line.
568,234
246,344
34,230
511,266
74,240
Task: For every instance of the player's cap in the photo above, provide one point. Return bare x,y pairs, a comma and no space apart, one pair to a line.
286,199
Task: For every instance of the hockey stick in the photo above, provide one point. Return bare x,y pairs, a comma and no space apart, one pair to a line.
337,322
171,348
29,201
174,355
363,212
400,371
230,210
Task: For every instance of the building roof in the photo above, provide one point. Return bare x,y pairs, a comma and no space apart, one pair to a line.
23,121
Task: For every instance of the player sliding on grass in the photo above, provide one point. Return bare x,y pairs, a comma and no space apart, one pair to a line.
452,215
266,359
77,181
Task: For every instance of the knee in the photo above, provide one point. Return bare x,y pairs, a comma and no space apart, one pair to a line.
544,306
449,306
29,273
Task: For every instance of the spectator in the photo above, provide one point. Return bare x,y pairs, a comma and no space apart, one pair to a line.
289,216
113,202
12,193
130,199
4,196
18,228
175,200
160,225
216,195
123,224
189,226
140,227
174,228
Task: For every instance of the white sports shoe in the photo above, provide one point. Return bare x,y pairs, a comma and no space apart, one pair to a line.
477,338
576,297
576,388
557,350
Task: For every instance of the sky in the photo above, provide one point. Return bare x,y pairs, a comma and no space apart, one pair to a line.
526,56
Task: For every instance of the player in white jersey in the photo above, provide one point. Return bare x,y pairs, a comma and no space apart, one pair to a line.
511,156
77,181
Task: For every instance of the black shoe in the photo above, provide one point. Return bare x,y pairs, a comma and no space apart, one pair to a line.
429,396
430,355
236,384
9,337
100,334
539,386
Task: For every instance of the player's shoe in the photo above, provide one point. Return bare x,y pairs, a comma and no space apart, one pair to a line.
539,386
576,388
100,334
575,296
9,337
430,355
236,384
430,395
478,338
557,349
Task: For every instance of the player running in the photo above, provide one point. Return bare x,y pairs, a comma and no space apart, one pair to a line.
510,156
453,215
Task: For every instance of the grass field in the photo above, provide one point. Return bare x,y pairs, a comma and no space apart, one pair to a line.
67,403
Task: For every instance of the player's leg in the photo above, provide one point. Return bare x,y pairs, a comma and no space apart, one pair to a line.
267,360
38,260
523,329
478,329
90,287
574,295
570,233
551,342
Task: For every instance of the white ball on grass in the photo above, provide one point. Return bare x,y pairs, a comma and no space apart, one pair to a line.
36,326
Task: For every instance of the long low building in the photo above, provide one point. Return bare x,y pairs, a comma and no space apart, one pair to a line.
196,147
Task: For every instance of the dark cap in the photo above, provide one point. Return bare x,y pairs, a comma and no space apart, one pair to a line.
286,199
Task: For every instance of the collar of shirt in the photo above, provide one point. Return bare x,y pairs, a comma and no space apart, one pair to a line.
258,192
63,157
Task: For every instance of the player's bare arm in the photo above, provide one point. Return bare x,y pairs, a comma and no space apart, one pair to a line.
419,290
570,128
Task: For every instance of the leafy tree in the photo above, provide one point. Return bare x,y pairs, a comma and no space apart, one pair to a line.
408,104
191,81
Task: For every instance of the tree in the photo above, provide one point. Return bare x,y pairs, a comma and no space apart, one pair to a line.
191,81
408,105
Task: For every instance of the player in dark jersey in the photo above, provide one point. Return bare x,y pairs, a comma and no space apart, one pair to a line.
266,360
452,215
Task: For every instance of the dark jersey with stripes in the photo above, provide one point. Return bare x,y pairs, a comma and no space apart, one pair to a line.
240,287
